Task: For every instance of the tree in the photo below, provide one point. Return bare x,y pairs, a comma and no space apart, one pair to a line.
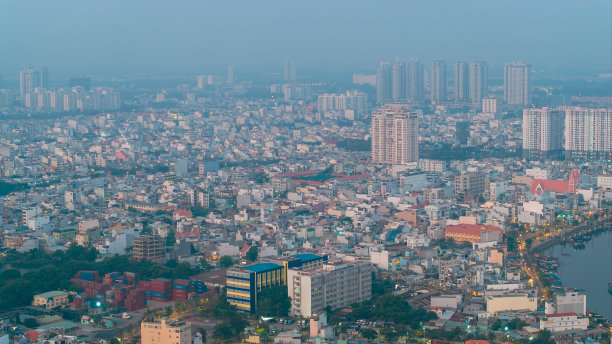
252,253
543,337
368,334
390,335
223,331
225,262
273,301
516,324
496,325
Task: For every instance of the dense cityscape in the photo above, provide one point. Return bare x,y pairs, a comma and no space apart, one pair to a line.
415,201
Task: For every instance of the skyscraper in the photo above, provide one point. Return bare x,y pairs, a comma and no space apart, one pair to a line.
29,79
438,82
588,133
395,136
398,80
542,133
289,71
384,82
478,83
462,81
230,74
414,80
517,84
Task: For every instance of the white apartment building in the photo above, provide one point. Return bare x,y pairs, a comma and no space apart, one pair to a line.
567,302
588,133
339,102
395,136
335,284
542,132
564,322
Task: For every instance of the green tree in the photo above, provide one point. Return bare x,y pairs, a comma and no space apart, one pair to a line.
368,334
496,325
390,335
252,253
31,323
225,262
516,324
273,301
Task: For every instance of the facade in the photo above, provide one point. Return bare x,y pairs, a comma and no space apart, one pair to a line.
438,82
149,247
384,82
245,283
414,81
398,80
50,299
339,102
473,233
462,81
513,302
31,79
564,322
588,133
478,82
165,332
469,186
335,285
517,84
395,136
542,133
568,302
489,105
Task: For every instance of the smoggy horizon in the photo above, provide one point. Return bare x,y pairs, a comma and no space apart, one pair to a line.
116,38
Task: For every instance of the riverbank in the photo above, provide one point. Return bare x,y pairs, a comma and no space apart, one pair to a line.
589,269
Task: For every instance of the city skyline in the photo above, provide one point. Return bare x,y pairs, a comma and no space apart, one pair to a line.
282,38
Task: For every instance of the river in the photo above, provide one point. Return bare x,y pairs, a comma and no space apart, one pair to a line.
589,269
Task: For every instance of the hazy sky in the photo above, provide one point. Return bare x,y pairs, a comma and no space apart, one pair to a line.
196,36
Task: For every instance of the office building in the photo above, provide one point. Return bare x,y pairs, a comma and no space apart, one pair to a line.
542,133
335,284
398,80
438,82
468,186
289,72
588,133
395,136
384,83
245,283
163,331
478,82
149,247
462,81
414,81
517,84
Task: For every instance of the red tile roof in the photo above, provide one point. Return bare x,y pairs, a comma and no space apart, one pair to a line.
561,315
471,229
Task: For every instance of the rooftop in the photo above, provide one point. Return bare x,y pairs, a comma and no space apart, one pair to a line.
51,294
263,267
